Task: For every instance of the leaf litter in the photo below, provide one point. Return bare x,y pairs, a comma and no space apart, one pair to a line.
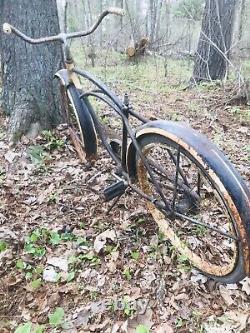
107,273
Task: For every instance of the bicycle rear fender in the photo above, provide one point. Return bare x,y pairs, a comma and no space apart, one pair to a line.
213,161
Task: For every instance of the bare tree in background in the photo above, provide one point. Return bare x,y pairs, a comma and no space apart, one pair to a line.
91,38
30,96
215,40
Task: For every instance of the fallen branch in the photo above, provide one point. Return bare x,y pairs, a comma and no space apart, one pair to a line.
77,145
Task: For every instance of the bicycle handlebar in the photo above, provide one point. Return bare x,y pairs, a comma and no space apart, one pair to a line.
8,29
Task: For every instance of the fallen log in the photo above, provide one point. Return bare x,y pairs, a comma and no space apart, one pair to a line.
138,48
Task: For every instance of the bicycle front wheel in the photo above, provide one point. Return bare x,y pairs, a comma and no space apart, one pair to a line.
82,124
201,218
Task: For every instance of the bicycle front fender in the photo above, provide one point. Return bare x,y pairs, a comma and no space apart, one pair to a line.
63,76
85,122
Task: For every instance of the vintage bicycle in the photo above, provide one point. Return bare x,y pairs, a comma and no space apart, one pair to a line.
193,192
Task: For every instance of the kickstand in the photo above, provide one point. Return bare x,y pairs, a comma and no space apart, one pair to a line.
114,203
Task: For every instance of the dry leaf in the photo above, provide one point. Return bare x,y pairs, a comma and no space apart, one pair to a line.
143,319
101,239
246,285
164,328
10,156
58,262
50,275
226,295
241,319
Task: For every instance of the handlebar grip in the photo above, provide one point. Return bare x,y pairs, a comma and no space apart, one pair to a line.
7,28
116,11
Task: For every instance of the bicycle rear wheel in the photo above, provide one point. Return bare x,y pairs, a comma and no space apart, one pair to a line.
207,226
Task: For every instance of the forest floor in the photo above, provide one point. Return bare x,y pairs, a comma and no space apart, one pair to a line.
50,220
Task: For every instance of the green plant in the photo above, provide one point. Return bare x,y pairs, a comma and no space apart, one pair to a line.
127,273
82,225
53,197
24,328
218,138
142,329
20,264
37,155
71,276
34,249
176,117
27,328
93,295
235,110
35,243
200,230
57,317
91,258
52,141
183,263
179,322
3,246
38,239
112,306
30,272
105,120
210,85
140,221
81,241
128,308
35,284
135,255
242,114
161,236
54,238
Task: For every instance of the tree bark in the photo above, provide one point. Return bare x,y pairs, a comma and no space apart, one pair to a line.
158,19
215,40
30,96
153,17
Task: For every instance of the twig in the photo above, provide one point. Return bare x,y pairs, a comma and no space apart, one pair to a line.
77,145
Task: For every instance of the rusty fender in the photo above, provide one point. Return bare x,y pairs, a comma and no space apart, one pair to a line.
235,192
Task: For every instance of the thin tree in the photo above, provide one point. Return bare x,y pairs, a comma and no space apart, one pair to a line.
30,95
215,40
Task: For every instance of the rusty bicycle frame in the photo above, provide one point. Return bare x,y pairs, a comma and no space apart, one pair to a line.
69,76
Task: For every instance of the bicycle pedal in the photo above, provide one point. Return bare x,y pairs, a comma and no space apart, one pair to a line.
114,190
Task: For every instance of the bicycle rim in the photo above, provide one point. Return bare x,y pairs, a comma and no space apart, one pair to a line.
194,196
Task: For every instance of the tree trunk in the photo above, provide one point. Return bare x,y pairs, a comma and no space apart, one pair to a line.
215,40
30,96
158,20
101,26
119,26
153,17
89,22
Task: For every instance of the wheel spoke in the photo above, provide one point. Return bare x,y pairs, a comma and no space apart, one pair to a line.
182,188
173,158
189,219
199,184
196,220
176,178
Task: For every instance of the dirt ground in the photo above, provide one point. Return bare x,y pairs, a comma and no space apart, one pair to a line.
51,207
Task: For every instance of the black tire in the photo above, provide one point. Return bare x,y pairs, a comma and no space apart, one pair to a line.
219,177
86,129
